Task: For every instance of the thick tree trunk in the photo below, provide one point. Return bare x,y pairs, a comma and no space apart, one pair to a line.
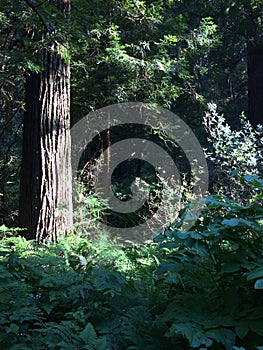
46,190
255,83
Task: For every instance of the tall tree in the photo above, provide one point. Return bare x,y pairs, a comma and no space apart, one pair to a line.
254,10
45,189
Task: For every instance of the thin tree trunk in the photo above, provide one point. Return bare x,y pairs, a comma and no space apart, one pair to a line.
255,83
106,160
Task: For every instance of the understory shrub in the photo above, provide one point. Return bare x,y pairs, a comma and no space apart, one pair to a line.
233,154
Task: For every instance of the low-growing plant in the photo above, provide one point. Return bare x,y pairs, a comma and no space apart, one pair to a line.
89,208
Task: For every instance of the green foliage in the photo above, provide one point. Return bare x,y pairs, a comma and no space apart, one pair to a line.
39,290
88,211
174,54
197,289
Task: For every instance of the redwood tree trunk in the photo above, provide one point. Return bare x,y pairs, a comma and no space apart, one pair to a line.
255,83
46,192
46,187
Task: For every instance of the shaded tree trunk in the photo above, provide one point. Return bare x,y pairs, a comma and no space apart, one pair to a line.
29,204
45,187
255,83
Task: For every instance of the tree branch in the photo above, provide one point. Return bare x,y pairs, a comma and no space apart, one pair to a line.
41,3
37,13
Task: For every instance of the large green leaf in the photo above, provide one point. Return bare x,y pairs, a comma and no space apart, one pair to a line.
256,273
257,326
259,285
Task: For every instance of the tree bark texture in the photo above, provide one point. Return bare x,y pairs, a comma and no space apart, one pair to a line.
46,189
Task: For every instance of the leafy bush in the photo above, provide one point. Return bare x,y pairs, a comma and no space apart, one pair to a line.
217,276
234,153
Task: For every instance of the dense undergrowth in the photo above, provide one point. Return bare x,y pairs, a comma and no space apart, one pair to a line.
198,289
